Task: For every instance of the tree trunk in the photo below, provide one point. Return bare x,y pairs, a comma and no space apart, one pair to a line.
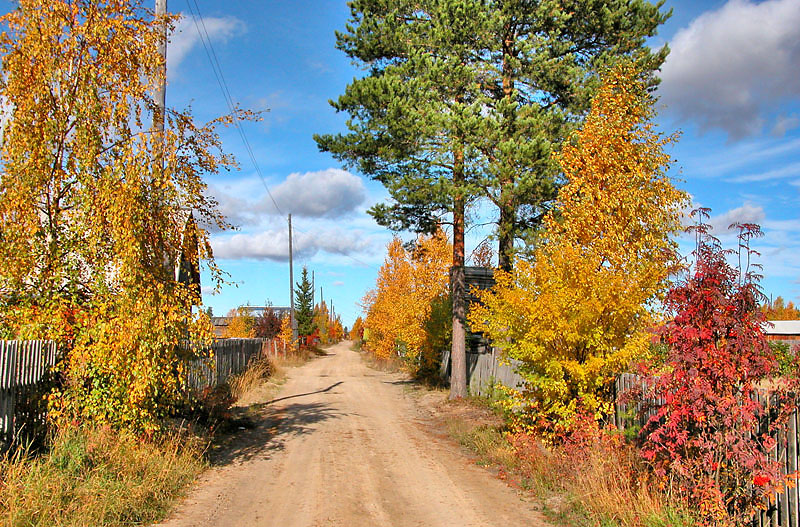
458,352
505,233
508,211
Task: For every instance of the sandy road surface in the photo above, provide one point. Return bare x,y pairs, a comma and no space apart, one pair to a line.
344,445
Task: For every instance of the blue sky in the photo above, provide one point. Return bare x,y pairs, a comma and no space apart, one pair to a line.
731,86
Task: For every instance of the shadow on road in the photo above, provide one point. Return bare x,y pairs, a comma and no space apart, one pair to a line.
273,428
332,386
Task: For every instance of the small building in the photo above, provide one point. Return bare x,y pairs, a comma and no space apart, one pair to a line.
783,330
220,326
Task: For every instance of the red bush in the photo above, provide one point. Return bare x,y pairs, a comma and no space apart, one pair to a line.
711,437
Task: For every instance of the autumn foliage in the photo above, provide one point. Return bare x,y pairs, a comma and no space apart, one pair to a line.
778,309
409,284
93,207
579,313
241,324
357,331
711,438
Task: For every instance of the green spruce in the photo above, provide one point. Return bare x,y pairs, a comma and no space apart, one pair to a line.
304,305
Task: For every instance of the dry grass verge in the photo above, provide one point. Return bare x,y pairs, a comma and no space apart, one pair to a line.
599,481
108,478
96,477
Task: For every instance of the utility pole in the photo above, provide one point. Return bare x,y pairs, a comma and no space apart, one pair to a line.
161,95
291,286
159,118
313,290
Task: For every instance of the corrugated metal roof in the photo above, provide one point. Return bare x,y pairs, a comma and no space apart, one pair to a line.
783,327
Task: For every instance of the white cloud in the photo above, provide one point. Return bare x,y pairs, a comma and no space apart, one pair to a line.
788,171
747,213
326,194
186,36
274,244
330,193
731,66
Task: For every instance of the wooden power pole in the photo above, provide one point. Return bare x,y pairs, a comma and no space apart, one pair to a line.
161,95
291,286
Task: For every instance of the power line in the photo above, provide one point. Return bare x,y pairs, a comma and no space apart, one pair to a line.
226,94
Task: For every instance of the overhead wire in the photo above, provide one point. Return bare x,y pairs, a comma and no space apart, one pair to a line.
216,68
226,94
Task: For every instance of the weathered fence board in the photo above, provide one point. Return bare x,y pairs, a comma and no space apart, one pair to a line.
23,367
228,357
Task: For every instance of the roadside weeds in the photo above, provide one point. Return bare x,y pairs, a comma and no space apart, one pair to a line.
599,482
104,477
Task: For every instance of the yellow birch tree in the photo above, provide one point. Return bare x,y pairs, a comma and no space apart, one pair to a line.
580,312
93,205
241,324
399,307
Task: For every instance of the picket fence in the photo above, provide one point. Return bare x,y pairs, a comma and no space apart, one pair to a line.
783,510
228,357
25,366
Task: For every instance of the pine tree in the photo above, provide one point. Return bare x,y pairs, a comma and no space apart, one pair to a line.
304,305
467,99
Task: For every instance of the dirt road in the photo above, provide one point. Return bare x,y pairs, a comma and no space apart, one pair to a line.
345,445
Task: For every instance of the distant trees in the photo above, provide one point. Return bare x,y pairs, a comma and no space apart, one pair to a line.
241,324
267,324
357,331
304,305
777,310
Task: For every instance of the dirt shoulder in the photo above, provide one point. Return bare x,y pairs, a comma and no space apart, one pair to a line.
342,444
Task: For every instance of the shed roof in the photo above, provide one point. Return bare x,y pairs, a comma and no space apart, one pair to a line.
783,327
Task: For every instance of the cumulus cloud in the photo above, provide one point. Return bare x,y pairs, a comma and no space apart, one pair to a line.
185,36
274,244
747,213
732,66
326,194
330,193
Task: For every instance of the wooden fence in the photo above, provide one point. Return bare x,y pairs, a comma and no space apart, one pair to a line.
229,357
781,511
24,365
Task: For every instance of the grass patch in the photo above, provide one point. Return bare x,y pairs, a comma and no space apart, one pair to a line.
257,371
86,477
599,481
97,477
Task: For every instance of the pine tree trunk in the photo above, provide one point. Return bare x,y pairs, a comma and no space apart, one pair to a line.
458,352
506,233
508,210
